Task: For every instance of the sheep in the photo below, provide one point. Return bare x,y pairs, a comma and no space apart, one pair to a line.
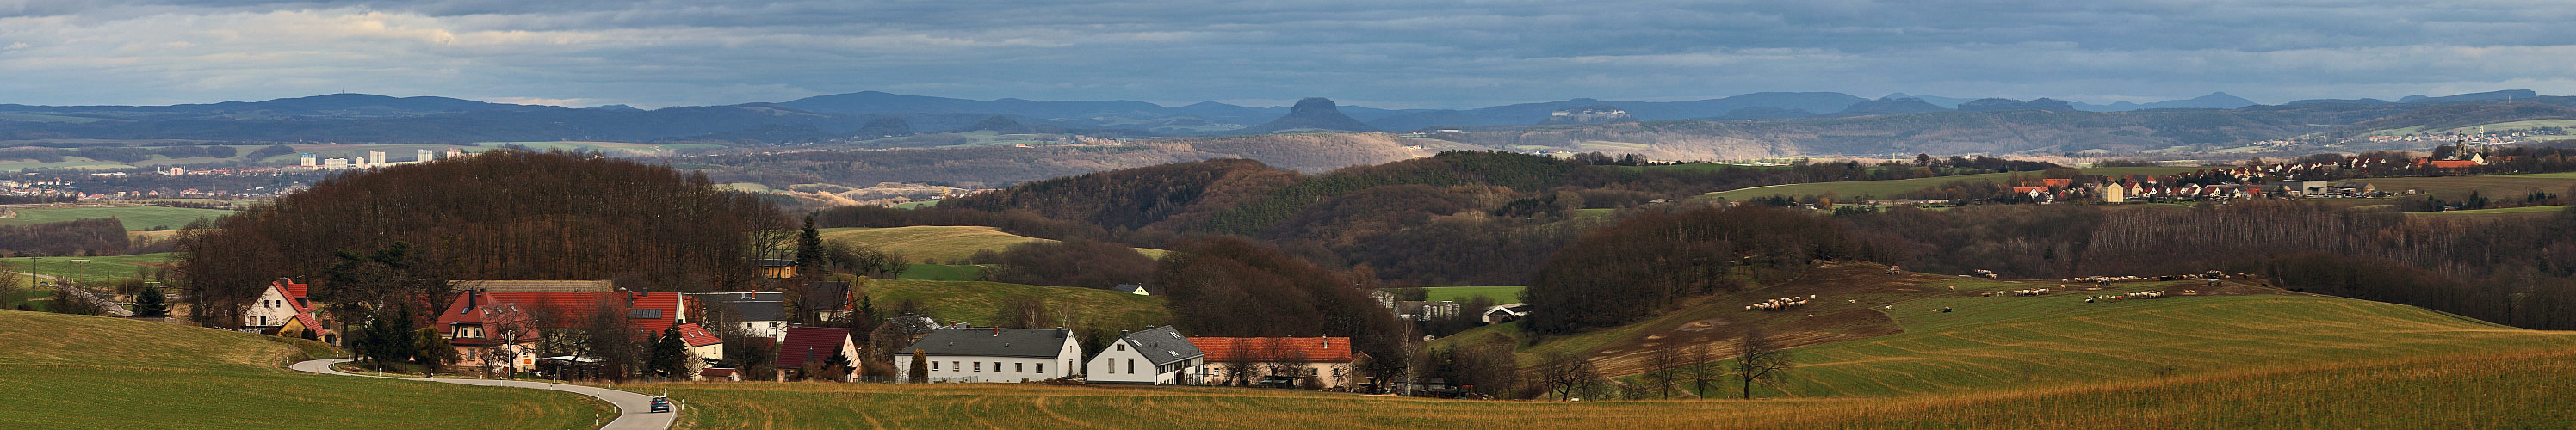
2088,300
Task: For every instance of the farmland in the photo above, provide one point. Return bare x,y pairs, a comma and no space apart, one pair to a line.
979,302
134,217
1870,334
1890,188
1499,293
938,244
80,372
2422,392
945,272
90,270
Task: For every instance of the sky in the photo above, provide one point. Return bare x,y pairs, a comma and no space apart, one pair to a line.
1377,53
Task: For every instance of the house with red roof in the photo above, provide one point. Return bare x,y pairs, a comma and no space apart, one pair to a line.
477,322
1323,361
283,310
814,345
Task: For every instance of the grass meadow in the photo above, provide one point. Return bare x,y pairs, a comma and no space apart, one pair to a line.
1499,293
979,302
939,244
2517,390
134,217
85,372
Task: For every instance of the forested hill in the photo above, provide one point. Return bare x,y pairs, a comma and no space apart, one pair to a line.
1457,218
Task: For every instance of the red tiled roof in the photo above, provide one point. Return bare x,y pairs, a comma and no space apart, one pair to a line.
822,341
2057,182
303,314
1236,349
569,309
697,336
295,290
2452,164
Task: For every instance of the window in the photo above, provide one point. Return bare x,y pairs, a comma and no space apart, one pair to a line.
953,365
1131,365
1122,347
1019,368
934,365
997,366
979,366
1041,367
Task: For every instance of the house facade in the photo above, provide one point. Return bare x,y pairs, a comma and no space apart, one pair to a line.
986,354
1322,362
812,344
1157,356
750,314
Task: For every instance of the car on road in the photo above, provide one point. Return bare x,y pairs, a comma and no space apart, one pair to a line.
661,404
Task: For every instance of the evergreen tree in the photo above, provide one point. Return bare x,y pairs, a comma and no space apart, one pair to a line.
809,246
149,303
920,367
389,338
669,354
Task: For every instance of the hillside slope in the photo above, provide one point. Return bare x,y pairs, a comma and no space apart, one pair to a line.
68,371
979,302
940,244
1873,334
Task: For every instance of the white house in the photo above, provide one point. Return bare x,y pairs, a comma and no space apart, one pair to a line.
752,314
986,354
280,303
1133,289
1156,356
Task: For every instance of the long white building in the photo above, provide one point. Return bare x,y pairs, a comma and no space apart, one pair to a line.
986,354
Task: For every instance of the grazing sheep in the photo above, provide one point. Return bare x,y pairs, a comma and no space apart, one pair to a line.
2088,300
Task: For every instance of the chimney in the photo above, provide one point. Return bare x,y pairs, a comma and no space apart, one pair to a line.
472,298
997,331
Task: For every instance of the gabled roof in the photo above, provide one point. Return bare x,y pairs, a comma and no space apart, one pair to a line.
294,290
1162,345
2057,182
1258,349
817,342
573,309
991,342
697,336
303,314
535,286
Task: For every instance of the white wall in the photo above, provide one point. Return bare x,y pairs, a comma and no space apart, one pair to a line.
954,368
1112,366
271,305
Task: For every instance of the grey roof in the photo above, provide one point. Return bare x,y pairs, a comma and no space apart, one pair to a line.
1163,345
832,295
990,342
750,306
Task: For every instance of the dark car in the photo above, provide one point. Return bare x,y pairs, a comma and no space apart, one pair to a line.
1278,382
661,404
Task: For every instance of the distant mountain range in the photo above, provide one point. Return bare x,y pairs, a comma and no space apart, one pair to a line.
874,115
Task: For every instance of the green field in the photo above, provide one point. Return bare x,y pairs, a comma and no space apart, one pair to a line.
1878,335
1890,188
2453,391
89,270
134,217
945,272
84,372
979,302
2492,187
939,244
1501,294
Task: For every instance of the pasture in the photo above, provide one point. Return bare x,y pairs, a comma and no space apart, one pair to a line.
980,302
134,217
939,244
85,372
2449,391
90,270
1499,293
944,272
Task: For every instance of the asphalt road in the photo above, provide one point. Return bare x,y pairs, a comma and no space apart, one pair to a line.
631,407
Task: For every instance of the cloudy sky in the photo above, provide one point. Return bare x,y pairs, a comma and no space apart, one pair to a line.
1369,52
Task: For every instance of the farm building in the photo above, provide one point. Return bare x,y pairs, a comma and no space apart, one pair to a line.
1506,313
1322,362
2304,188
992,354
753,314
812,345
1158,356
777,268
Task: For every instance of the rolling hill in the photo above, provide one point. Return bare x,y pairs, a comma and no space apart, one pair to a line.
979,302
1873,334
942,244
81,372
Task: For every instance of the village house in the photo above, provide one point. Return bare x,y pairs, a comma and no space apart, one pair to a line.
1322,362
479,320
749,314
1504,313
813,345
993,354
777,268
1157,356
703,346
283,310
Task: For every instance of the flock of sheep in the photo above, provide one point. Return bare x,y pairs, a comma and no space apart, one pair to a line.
1779,303
2029,292
2157,294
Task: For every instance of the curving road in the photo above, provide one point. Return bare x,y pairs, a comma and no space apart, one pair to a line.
631,407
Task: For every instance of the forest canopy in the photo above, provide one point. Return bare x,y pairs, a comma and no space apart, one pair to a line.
514,215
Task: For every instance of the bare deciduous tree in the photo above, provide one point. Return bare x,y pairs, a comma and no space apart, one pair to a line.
1759,360
1566,374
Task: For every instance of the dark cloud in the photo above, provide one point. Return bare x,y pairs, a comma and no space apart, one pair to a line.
1389,54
